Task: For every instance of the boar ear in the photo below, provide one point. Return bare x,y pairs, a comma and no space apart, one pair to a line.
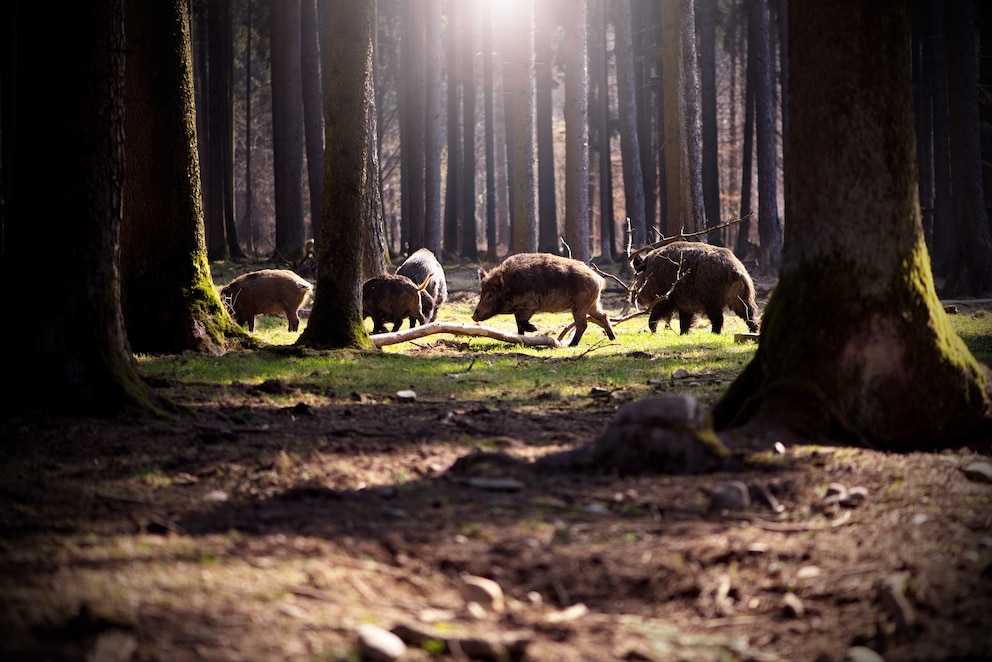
482,274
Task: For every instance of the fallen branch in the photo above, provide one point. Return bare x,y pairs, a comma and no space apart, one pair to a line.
406,335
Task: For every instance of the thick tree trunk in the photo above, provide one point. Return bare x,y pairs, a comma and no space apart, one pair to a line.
168,298
336,318
854,344
70,158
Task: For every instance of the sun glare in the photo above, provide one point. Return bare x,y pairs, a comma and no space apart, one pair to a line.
508,14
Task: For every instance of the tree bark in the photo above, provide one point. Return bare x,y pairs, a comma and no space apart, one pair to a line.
706,22
432,130
633,179
522,89
287,129
576,132
683,179
854,326
769,224
70,155
469,238
547,207
169,301
336,318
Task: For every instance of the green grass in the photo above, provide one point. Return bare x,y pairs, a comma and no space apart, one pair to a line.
446,367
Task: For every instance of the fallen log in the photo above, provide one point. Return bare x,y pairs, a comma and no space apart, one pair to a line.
406,335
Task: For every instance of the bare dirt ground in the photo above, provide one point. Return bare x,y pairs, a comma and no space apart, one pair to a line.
244,531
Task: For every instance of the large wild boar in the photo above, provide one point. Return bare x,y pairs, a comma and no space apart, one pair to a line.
267,292
528,283
419,266
709,279
391,298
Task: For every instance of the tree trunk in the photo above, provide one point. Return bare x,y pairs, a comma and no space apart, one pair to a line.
547,207
706,21
217,95
336,319
416,104
769,225
287,129
854,326
313,110
489,111
469,243
576,132
600,77
633,180
70,157
432,130
683,179
972,271
452,200
522,89
169,301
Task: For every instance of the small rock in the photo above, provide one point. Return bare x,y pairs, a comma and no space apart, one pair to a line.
496,484
681,373
978,471
406,395
793,606
113,646
483,591
375,643
215,496
862,654
731,496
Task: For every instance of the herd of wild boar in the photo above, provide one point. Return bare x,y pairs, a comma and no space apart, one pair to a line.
684,277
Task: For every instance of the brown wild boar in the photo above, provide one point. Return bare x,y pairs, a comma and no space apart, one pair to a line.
419,266
390,298
528,283
709,279
267,292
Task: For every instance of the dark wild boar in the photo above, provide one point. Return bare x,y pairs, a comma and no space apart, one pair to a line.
267,292
391,298
419,266
528,283
709,279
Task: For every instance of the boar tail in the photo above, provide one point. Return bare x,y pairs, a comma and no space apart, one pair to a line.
423,286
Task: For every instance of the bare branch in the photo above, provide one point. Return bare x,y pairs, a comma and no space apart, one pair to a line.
664,241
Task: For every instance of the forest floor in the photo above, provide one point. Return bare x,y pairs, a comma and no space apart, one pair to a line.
247,531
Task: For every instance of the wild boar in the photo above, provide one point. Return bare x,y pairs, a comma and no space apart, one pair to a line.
706,280
390,298
528,283
419,266
267,292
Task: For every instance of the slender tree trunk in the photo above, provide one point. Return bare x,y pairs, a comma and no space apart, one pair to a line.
287,129
706,21
522,89
452,200
633,180
744,246
217,96
546,203
470,242
603,137
576,132
944,232
416,105
972,272
490,130
249,224
769,225
432,130
313,110
683,178
854,326
923,112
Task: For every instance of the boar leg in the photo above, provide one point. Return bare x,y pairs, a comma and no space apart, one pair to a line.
523,322
294,320
716,319
604,321
580,328
686,318
661,310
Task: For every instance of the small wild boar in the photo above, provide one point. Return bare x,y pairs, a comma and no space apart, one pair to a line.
419,266
267,292
710,278
528,283
390,298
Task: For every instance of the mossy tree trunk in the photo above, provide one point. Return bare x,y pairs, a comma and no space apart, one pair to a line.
854,343
61,227
336,318
169,300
